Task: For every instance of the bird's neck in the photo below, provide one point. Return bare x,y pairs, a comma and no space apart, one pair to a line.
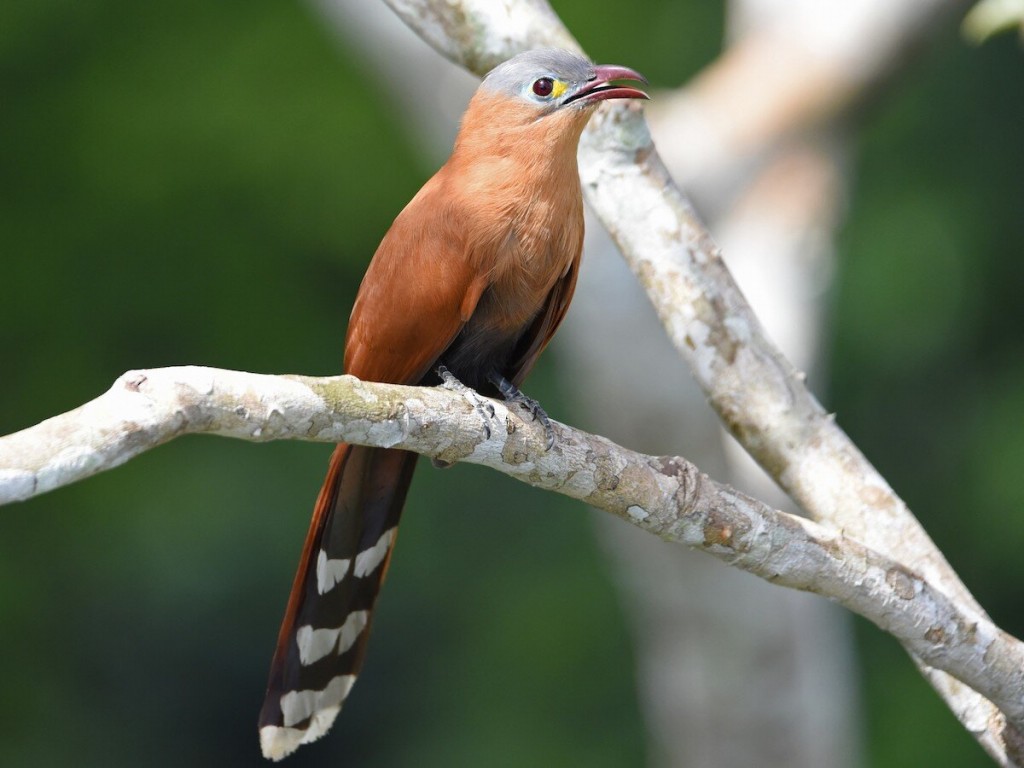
498,132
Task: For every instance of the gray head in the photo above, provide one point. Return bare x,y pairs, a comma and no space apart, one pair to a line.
549,78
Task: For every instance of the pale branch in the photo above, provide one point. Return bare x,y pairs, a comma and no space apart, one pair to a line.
666,496
758,394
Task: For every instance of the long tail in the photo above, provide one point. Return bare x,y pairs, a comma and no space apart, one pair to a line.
322,642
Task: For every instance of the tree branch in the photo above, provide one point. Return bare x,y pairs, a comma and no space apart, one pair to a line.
666,496
757,393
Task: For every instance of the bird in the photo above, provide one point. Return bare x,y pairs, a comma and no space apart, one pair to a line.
470,281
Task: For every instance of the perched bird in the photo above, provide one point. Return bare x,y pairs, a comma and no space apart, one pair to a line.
474,275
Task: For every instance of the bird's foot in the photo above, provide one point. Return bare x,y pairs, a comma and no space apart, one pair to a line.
480,405
513,395
450,381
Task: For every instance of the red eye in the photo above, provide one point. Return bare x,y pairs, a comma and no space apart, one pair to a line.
544,86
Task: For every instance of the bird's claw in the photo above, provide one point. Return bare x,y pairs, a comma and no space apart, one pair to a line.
537,413
480,405
513,395
448,380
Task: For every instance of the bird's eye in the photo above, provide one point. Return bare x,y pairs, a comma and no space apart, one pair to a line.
544,86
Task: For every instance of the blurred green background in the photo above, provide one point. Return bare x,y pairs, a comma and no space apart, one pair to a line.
204,183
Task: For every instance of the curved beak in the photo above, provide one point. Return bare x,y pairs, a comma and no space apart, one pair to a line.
601,85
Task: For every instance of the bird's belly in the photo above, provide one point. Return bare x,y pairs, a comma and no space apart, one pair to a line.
485,345
524,270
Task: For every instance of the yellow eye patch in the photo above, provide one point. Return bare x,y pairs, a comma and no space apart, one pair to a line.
548,88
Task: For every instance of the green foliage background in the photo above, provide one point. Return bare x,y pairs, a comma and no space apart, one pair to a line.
205,182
